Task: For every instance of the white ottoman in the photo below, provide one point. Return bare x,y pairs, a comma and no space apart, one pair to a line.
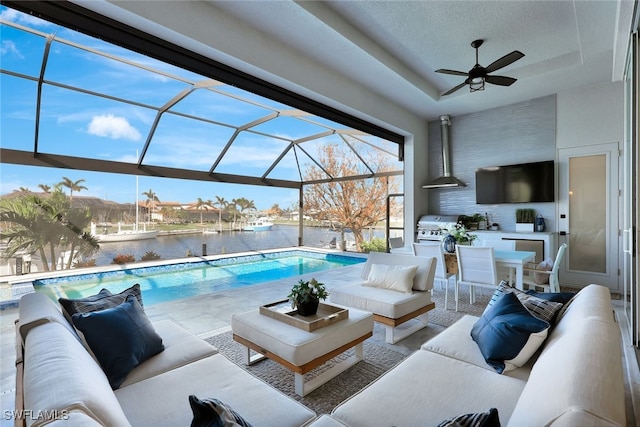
299,350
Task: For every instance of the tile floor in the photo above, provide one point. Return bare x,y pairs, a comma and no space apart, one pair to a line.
203,315
211,314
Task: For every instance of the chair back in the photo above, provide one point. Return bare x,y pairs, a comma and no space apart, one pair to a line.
500,245
554,283
433,249
476,264
395,242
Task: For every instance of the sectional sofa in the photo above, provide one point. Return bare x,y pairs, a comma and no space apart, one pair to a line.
61,384
574,379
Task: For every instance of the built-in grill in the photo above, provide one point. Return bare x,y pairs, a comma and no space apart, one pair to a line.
430,227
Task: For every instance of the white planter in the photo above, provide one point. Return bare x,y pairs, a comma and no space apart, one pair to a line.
524,227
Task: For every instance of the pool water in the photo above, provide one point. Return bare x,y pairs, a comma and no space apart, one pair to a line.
178,281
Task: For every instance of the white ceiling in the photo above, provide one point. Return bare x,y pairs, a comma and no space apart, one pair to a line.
394,47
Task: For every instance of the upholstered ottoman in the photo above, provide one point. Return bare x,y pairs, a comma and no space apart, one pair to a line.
299,350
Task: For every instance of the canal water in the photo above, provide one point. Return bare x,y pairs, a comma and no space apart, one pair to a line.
178,246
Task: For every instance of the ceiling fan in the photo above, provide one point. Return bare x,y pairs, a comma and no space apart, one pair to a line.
478,75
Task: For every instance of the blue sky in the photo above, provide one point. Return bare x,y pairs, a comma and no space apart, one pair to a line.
115,128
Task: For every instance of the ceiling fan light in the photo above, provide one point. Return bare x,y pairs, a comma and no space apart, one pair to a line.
475,84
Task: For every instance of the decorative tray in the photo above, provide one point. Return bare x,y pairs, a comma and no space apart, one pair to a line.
326,315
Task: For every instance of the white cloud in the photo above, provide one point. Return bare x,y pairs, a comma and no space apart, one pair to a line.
10,47
113,127
23,18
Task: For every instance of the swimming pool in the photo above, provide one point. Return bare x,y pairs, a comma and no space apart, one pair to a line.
183,280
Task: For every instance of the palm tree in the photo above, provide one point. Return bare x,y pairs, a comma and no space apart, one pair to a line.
152,199
72,185
222,204
202,205
45,188
233,207
39,224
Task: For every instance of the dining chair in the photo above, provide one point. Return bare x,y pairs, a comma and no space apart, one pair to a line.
502,245
395,243
434,249
476,268
553,285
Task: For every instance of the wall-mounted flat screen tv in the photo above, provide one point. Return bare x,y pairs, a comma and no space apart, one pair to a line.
523,183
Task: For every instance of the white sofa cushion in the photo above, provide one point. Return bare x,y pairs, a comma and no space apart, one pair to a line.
427,388
37,308
423,280
75,418
456,342
380,301
180,348
60,375
579,369
211,377
392,277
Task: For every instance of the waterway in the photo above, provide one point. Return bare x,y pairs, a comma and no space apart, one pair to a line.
178,246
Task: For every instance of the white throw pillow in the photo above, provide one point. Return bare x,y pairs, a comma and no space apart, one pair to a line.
393,277
543,278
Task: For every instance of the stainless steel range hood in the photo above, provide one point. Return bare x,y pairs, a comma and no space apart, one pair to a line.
446,180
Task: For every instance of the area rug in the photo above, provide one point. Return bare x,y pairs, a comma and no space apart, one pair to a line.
379,356
377,360
442,317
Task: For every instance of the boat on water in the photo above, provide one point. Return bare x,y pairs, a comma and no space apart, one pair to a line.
259,224
209,231
124,235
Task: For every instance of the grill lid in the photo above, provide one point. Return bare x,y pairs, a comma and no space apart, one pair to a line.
433,221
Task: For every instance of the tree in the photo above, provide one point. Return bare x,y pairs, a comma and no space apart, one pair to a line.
72,185
202,205
151,201
233,207
275,210
222,205
353,204
245,204
45,188
41,225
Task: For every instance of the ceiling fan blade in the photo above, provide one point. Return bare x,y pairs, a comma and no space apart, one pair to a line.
500,80
509,58
453,72
450,91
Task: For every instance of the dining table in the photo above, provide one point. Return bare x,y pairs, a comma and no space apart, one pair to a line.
507,259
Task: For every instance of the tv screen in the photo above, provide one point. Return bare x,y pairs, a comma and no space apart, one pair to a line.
523,183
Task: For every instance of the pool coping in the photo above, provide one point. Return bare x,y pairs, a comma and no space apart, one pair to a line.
12,288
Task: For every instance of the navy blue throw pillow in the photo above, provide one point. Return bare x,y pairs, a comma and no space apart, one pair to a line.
508,335
214,413
561,297
120,337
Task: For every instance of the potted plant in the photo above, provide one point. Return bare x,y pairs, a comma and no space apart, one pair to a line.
525,219
457,235
305,296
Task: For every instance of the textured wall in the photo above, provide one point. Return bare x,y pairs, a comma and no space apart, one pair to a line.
518,133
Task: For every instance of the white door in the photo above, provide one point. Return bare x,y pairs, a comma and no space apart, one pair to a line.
588,215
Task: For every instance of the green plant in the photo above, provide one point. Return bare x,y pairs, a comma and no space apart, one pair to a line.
304,292
123,259
477,217
526,216
460,233
149,256
374,245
